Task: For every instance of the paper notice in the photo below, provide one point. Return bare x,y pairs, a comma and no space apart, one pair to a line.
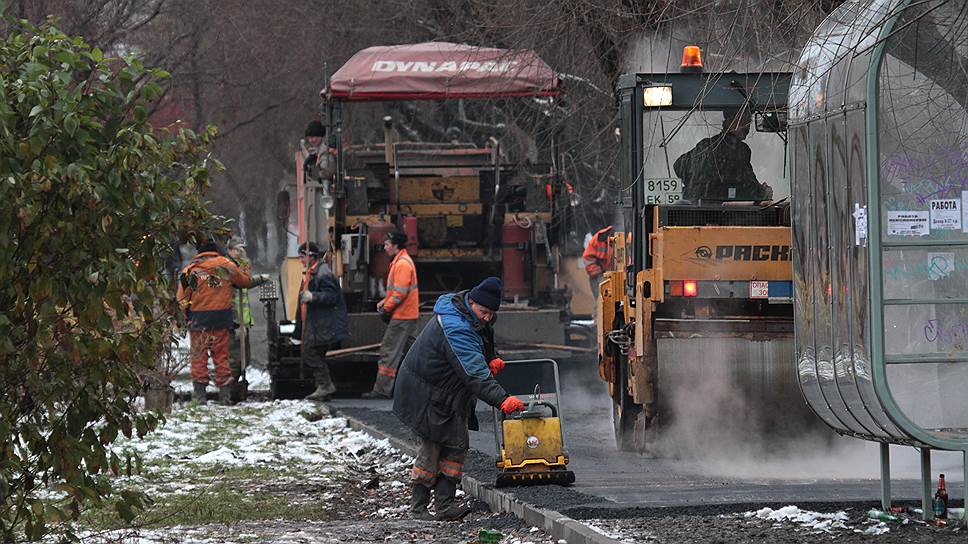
860,225
946,214
902,223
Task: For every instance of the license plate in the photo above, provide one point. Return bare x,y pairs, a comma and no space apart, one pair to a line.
759,289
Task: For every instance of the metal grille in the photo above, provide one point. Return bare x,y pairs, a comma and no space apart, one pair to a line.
695,216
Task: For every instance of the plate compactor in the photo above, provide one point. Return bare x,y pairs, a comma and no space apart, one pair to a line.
530,444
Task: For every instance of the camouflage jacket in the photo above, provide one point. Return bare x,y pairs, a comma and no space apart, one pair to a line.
719,168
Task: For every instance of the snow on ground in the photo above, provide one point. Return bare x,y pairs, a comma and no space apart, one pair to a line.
804,518
781,523
288,444
258,378
270,434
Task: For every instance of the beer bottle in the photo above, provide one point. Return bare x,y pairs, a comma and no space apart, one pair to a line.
941,500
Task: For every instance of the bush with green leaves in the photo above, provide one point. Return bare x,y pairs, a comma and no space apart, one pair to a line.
92,197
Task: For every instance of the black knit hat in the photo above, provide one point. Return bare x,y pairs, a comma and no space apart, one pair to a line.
488,293
211,245
315,128
397,238
309,248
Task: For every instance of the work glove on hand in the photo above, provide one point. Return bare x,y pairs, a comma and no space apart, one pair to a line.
769,192
384,315
496,365
259,279
305,297
512,404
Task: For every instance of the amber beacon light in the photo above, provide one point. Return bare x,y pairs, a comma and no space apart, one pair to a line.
691,60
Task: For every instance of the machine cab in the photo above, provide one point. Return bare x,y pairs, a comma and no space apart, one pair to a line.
713,156
710,139
694,143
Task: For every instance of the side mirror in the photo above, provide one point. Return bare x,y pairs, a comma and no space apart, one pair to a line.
771,121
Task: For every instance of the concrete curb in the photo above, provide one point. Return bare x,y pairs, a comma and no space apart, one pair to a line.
555,523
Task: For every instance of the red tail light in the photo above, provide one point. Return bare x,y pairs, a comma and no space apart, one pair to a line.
675,288
689,288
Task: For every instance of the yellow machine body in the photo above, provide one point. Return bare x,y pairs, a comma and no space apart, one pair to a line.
532,453
532,444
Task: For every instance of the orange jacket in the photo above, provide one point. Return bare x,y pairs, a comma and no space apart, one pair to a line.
205,290
403,298
598,253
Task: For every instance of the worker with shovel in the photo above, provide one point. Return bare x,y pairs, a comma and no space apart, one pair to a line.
240,352
321,322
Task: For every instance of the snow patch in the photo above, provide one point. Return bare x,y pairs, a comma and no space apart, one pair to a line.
805,518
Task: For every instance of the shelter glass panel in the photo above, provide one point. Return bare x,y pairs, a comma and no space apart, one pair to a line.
923,172
803,277
859,286
923,126
932,395
823,285
841,238
933,272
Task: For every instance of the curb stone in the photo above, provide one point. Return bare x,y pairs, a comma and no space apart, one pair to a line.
554,523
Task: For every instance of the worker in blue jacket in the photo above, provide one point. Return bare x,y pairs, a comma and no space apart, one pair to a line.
450,365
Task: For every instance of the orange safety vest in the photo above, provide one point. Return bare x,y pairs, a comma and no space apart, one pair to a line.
205,292
598,253
403,298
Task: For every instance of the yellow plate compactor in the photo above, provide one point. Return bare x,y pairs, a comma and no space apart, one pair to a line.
530,444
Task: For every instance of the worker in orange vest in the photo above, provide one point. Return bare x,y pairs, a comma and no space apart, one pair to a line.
205,295
399,309
597,257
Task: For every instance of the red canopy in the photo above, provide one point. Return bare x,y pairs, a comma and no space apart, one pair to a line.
440,70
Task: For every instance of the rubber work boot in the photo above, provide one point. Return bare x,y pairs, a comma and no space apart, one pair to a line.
238,392
225,395
198,393
446,503
419,502
322,393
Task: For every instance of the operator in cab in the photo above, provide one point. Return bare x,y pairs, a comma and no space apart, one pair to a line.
719,167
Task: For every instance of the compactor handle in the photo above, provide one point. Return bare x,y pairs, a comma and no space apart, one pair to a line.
531,412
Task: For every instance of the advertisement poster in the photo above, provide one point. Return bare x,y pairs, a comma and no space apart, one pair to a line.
905,223
946,214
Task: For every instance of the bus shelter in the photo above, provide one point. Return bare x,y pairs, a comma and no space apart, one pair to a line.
877,144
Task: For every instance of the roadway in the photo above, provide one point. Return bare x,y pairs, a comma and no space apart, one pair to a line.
696,467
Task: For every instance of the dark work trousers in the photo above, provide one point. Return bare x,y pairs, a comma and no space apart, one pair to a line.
314,360
435,459
391,353
593,282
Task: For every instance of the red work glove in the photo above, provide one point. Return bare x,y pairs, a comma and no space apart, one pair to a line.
496,365
512,404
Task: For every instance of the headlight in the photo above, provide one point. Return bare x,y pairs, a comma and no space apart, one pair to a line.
655,96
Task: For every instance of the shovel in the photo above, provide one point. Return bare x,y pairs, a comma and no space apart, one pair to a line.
243,384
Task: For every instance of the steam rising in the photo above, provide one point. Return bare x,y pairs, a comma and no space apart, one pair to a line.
734,409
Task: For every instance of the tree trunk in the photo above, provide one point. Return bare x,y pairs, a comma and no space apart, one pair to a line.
159,397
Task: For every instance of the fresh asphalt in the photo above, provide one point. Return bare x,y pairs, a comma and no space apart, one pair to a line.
611,483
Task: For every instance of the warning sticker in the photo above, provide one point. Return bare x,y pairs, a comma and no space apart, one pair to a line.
940,265
946,214
901,223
